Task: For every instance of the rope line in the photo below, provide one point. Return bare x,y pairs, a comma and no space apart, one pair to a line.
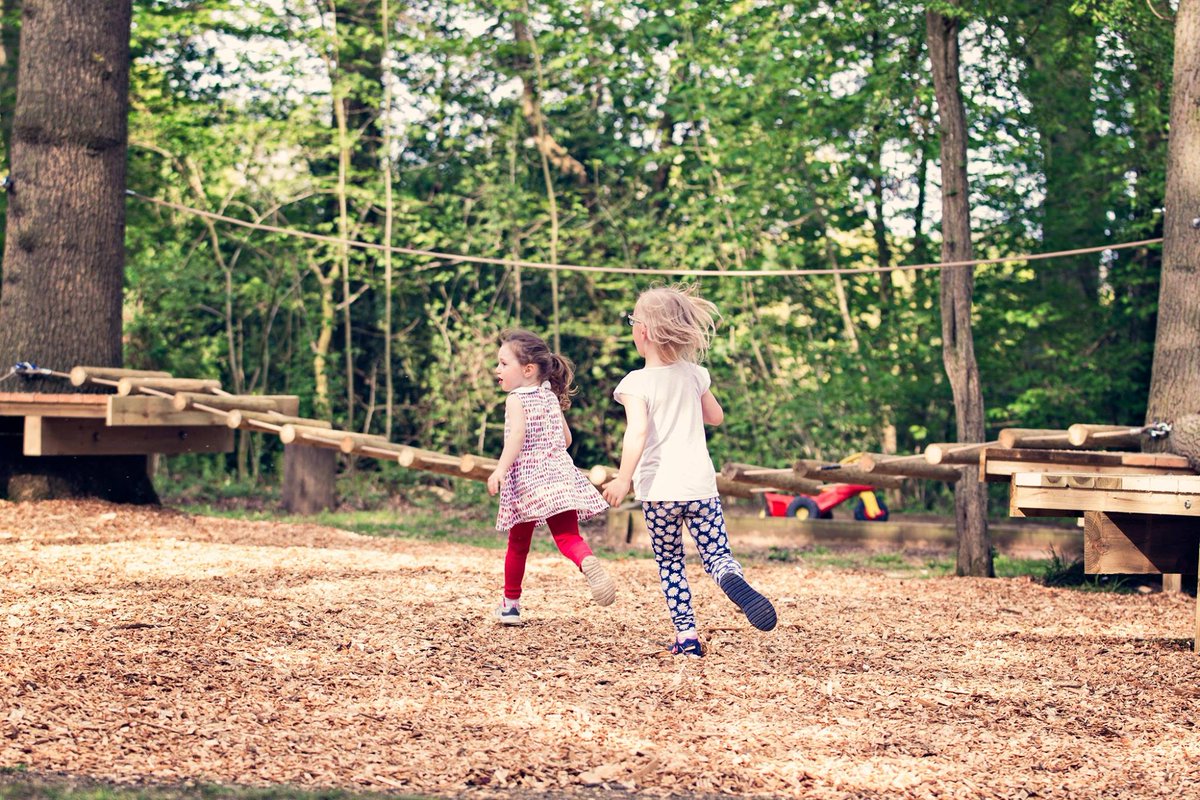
455,258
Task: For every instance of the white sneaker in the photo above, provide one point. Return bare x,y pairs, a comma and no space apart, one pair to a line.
508,616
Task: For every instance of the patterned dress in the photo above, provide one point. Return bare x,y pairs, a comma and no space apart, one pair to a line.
543,481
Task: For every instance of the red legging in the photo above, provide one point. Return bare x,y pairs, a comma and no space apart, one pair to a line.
564,526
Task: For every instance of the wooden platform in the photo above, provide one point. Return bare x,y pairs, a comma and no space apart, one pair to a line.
1141,511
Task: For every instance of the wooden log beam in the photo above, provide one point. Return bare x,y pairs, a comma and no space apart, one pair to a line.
600,475
110,375
1041,438
1139,544
127,386
270,420
478,468
907,467
956,452
1081,435
785,479
51,436
346,441
843,473
286,404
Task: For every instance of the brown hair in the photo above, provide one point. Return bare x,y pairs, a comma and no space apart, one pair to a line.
529,348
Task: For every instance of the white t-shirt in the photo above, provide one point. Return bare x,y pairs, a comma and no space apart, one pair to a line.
675,464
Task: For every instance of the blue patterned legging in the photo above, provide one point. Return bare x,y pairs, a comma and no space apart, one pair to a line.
665,520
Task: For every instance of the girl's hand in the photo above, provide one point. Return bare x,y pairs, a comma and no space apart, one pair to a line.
616,490
495,480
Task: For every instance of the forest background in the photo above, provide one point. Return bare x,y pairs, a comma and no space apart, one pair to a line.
639,135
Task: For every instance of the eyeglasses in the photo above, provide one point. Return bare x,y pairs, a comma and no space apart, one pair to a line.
632,320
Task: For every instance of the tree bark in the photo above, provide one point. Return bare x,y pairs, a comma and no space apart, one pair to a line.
957,284
1175,375
64,251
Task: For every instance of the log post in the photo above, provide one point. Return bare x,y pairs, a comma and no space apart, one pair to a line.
1041,438
308,479
110,375
843,473
1082,435
907,467
956,453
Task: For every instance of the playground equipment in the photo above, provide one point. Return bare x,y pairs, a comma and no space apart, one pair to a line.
869,508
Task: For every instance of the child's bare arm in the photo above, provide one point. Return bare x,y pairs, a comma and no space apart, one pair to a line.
710,409
515,415
637,420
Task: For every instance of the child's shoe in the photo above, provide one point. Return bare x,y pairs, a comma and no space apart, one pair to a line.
604,591
508,615
690,648
757,608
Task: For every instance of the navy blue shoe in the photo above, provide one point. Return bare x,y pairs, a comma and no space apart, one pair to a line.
688,647
757,608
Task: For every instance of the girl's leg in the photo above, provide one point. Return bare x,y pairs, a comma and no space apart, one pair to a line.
665,523
565,529
706,521
519,538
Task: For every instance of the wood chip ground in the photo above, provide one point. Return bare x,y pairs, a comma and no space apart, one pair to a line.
145,645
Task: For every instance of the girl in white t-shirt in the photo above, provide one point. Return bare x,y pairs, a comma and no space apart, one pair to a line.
664,455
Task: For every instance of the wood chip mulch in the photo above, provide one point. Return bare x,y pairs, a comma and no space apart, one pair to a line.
145,645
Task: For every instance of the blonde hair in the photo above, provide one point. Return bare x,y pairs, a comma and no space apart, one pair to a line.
529,348
679,322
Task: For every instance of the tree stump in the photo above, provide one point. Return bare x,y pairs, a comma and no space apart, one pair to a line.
308,479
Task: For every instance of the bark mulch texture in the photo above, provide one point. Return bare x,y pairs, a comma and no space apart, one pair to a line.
142,645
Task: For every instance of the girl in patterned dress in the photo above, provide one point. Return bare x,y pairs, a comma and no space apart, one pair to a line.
536,479
665,458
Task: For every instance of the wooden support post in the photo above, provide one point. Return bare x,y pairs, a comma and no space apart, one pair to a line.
1139,544
907,467
1082,435
127,386
308,479
81,375
843,473
956,452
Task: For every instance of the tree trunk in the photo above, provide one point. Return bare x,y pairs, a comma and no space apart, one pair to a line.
60,304
308,479
957,285
1175,376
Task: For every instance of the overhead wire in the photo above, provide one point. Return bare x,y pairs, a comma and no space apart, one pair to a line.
455,258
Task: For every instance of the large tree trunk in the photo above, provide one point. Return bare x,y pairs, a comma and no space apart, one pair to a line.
64,250
1175,376
957,285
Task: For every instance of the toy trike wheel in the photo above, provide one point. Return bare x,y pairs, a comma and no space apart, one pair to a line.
860,511
803,508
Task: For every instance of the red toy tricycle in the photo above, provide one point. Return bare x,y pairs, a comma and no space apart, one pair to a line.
870,506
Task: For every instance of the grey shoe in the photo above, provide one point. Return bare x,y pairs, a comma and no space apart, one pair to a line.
604,591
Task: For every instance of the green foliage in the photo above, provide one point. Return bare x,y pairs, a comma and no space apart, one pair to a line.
712,135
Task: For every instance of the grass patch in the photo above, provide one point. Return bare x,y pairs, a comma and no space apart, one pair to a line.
27,788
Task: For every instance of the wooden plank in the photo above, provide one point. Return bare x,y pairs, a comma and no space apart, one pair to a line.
41,404
145,410
1139,544
48,436
999,464
1030,493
